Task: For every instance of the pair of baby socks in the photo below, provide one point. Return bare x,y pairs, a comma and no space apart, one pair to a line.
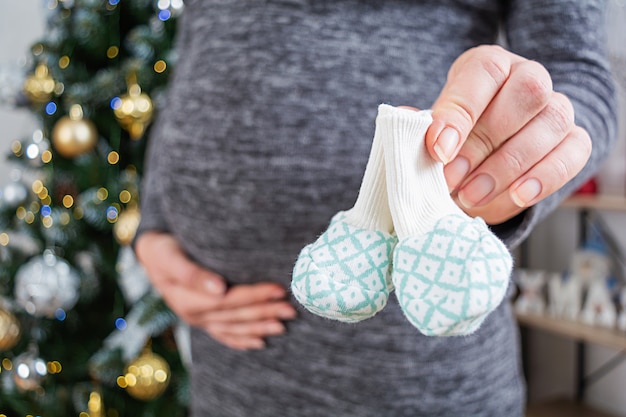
406,233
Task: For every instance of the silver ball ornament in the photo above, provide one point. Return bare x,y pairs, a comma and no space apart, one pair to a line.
29,371
46,284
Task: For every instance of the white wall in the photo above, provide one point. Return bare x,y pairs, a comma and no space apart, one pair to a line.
21,24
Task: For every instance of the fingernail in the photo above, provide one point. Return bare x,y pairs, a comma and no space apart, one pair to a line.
213,287
474,192
456,171
257,344
287,314
275,328
446,143
526,192
278,294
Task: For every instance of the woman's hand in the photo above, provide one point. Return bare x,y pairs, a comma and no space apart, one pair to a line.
239,317
506,138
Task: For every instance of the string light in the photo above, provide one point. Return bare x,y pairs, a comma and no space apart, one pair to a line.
121,381
160,66
16,147
120,324
47,222
46,156
20,212
95,402
102,194
68,201
125,196
37,49
112,214
112,52
113,157
51,108
43,193
115,103
64,219
37,186
164,15
45,210
64,62
60,314
32,151
4,239
59,88
54,367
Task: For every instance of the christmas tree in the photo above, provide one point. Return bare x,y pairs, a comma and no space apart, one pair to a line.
81,331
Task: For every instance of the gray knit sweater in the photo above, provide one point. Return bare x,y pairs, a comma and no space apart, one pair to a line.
265,136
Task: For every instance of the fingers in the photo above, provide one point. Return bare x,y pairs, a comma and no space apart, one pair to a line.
245,336
461,103
497,211
506,138
242,295
240,342
244,303
239,317
554,171
497,171
523,97
266,310
544,178
241,325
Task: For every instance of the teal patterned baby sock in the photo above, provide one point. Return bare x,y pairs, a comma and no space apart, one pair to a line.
449,270
345,274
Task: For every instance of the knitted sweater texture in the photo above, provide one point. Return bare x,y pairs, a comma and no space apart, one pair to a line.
265,135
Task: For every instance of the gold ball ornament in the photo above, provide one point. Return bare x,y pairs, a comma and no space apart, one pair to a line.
134,111
147,377
39,86
126,226
9,330
72,135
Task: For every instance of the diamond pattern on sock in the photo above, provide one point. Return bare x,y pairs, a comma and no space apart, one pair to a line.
345,274
449,279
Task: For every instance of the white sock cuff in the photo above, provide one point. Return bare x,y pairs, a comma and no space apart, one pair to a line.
418,193
371,209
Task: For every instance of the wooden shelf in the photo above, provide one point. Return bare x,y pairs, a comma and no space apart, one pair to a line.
577,331
596,201
563,408
611,338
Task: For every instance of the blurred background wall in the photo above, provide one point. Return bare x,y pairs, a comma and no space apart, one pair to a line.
21,23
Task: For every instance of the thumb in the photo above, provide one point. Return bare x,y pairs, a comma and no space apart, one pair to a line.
443,139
